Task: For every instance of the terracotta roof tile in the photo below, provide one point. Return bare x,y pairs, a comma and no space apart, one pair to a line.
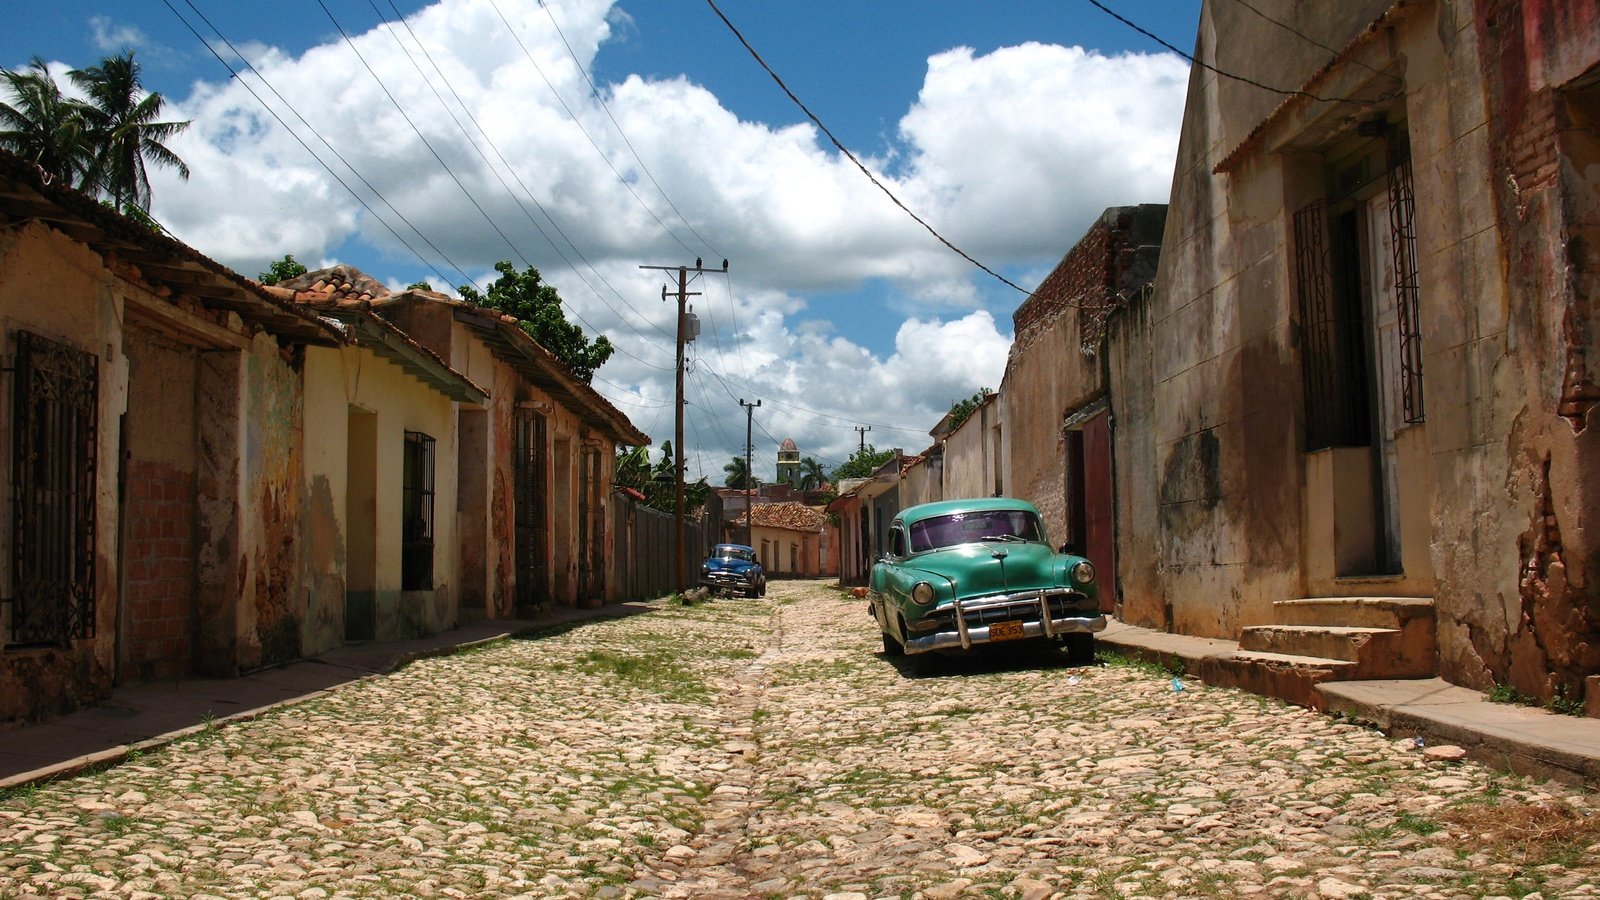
790,516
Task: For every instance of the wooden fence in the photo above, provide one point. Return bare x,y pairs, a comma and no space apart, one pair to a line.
641,561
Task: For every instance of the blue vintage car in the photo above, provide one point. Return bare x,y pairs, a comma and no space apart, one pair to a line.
964,573
734,568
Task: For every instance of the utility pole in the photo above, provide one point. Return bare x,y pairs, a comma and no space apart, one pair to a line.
863,436
749,476
683,295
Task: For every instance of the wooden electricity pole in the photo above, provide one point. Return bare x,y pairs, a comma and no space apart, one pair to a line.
683,294
749,476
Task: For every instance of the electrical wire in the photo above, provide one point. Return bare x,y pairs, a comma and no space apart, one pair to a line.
451,172
624,135
576,121
1313,41
484,134
421,137
291,132
852,157
1225,74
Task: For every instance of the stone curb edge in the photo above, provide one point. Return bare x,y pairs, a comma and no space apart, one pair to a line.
113,756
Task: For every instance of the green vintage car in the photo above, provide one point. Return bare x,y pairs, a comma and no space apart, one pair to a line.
963,573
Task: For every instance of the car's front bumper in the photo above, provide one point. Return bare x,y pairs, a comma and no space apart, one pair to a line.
1042,614
728,581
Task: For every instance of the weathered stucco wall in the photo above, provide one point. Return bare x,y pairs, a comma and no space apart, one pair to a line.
60,290
969,458
338,381
1516,548
1053,368
1497,101
159,615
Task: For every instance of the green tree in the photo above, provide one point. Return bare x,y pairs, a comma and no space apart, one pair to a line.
862,463
738,472
811,475
282,270
961,409
524,296
419,286
43,126
655,481
122,123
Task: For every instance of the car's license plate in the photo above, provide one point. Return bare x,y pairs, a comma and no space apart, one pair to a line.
1005,631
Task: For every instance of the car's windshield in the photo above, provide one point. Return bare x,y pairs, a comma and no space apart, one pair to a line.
968,527
735,553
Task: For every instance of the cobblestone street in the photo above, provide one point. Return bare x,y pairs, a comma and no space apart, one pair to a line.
762,748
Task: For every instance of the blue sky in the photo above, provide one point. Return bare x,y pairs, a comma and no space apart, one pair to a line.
1007,126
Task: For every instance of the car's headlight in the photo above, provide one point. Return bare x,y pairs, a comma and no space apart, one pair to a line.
1083,572
922,593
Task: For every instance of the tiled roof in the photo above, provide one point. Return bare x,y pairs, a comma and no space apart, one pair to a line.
791,516
167,268
346,287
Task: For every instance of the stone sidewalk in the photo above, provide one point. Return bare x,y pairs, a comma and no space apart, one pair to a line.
144,716
1519,739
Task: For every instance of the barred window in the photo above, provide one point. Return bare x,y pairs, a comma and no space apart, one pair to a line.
53,452
416,549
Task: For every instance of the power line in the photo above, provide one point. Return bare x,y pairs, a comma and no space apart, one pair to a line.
852,157
484,135
291,132
1225,74
518,178
576,121
421,137
451,172
623,134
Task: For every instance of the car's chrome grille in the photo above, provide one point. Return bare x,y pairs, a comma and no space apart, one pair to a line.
1014,608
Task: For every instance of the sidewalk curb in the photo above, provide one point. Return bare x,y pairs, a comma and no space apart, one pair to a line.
1518,739
113,756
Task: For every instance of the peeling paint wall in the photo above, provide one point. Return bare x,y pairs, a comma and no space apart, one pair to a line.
55,287
1530,615
338,382
1498,101
159,617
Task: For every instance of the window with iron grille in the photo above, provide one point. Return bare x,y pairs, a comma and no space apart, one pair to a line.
531,501
1336,273
1403,244
416,503
53,452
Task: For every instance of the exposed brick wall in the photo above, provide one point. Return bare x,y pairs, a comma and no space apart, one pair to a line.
159,573
1096,276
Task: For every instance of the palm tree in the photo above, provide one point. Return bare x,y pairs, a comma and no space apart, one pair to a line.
44,126
738,473
811,475
121,121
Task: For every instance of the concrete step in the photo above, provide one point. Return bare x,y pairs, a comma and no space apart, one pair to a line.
1365,612
1285,676
1375,652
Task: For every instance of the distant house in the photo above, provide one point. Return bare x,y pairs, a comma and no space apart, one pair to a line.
788,538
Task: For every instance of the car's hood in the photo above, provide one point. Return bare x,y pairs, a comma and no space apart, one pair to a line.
992,568
717,564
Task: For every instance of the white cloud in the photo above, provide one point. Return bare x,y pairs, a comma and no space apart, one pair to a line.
112,37
1009,154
